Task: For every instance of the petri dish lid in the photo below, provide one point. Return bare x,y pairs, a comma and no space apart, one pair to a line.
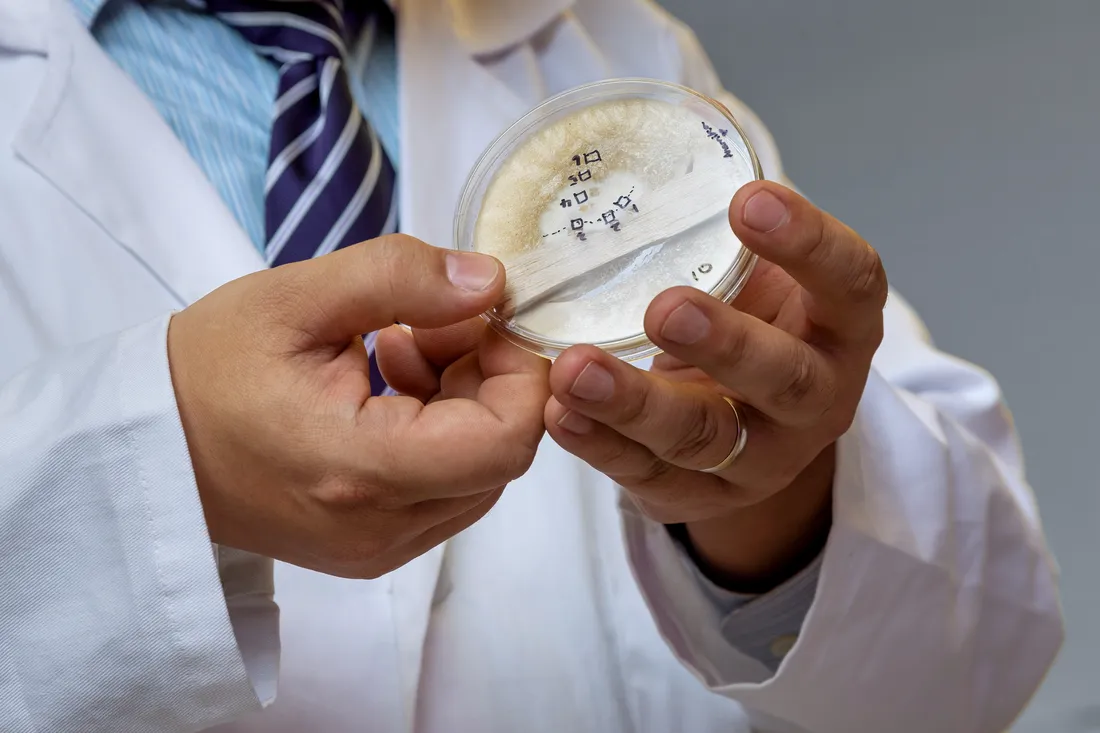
598,200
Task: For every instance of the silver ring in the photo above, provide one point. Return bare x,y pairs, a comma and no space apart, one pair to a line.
738,443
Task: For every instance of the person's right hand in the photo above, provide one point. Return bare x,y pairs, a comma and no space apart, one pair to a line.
293,457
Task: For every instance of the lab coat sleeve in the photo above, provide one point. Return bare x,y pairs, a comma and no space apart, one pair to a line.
116,612
936,607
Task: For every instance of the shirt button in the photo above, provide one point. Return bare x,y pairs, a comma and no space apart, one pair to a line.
782,646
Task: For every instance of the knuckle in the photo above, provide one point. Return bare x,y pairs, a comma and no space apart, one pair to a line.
514,458
614,459
636,407
653,473
829,394
334,490
735,345
352,493
393,248
394,264
867,283
389,265
842,413
702,429
817,240
798,383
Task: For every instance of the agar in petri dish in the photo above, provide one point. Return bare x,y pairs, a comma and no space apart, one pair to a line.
598,200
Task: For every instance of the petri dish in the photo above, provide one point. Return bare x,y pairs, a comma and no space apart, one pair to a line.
599,199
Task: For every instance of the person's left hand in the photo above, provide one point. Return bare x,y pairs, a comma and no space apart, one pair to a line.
793,353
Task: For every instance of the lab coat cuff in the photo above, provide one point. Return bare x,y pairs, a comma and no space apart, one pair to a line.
762,625
193,576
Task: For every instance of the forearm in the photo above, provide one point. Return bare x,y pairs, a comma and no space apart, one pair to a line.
754,549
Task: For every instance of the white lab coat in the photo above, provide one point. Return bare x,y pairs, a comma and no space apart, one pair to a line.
937,607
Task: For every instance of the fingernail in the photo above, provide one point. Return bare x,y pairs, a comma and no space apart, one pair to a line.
686,325
594,383
471,271
575,423
764,212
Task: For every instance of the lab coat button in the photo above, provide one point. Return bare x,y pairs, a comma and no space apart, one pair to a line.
782,645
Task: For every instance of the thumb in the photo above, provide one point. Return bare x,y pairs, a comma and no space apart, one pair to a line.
372,285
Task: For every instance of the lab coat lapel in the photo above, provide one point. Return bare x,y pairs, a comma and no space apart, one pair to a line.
93,134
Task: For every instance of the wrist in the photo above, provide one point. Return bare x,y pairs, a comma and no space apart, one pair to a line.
756,548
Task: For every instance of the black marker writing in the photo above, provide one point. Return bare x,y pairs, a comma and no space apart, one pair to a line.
582,176
703,268
719,135
589,158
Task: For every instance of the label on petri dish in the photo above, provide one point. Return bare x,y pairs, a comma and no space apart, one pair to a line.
582,180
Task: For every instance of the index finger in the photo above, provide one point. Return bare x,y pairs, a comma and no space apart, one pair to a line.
458,447
443,346
842,274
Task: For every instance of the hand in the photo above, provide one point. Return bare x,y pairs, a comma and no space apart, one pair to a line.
793,354
296,460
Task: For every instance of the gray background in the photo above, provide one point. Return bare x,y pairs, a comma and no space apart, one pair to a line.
959,137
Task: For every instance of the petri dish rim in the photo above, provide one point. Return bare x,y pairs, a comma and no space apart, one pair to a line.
481,175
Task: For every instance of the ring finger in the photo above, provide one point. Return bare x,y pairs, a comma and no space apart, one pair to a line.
775,372
687,425
668,493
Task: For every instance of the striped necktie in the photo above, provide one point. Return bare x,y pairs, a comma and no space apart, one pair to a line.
329,182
